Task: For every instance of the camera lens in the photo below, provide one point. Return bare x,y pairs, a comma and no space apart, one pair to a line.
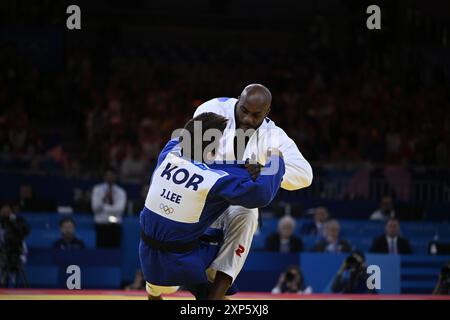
289,276
350,260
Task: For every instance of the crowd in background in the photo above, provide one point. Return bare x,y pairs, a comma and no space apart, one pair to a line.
117,107
326,230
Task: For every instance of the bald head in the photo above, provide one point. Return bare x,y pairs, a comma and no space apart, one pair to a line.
253,106
257,93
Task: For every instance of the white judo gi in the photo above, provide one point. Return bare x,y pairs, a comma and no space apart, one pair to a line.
238,223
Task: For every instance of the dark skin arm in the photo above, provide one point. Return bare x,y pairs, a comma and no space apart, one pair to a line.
255,168
220,286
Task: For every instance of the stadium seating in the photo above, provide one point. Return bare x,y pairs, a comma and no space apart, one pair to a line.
100,268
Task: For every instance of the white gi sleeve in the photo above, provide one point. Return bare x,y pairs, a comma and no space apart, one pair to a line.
298,173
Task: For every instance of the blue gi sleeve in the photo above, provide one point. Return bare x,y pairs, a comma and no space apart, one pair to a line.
240,189
167,148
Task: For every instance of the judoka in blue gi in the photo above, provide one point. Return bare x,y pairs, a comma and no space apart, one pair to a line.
185,196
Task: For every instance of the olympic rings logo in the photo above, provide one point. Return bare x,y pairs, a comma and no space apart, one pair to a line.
166,208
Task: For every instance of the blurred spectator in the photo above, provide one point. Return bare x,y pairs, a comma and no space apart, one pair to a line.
352,275
13,250
133,167
385,211
292,281
316,227
81,200
27,201
108,204
391,242
138,283
443,283
284,240
68,239
283,208
332,242
135,92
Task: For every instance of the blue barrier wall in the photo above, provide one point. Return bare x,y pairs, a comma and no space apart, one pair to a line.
319,270
420,273
129,248
390,267
103,269
262,269
100,268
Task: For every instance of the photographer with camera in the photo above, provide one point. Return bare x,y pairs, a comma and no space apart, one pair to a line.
443,284
292,281
352,276
13,231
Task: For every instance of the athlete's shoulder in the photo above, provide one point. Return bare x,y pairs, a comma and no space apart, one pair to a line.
271,132
220,106
172,143
269,124
207,171
170,146
217,171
